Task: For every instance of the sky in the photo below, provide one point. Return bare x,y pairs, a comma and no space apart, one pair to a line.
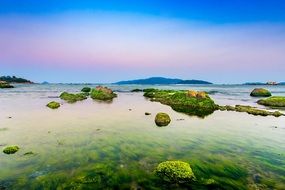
93,41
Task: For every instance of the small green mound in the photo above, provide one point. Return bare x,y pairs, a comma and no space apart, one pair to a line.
198,103
86,89
260,92
175,172
71,98
4,84
102,93
11,149
53,105
274,101
162,119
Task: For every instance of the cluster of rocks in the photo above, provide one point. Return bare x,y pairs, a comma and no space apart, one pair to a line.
4,84
99,93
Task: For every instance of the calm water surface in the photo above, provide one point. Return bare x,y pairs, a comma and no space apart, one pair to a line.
95,145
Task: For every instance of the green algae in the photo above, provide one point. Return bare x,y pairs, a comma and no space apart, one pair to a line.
181,101
72,98
260,92
11,149
274,101
53,105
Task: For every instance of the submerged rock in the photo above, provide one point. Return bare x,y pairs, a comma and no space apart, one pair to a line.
189,102
86,89
102,93
274,101
250,110
4,84
11,149
260,92
162,119
175,172
147,113
137,90
53,105
71,98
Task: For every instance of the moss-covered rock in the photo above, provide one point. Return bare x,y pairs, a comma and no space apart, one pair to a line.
162,119
102,93
250,110
11,149
4,84
175,172
260,92
274,101
86,89
53,105
71,98
189,102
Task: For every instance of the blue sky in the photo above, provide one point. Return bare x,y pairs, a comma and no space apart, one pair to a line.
106,41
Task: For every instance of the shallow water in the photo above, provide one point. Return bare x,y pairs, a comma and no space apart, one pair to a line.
95,145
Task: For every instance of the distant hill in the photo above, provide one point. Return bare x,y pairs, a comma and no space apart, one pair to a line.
281,83
162,80
14,79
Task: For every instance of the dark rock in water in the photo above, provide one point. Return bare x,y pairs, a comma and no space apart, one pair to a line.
189,102
11,149
175,172
147,113
102,93
4,84
130,109
53,105
162,119
260,92
257,178
86,89
137,90
274,101
29,153
72,98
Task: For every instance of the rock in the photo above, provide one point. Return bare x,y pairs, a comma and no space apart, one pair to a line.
260,92
274,101
86,89
175,172
189,102
147,113
102,93
71,98
4,84
136,90
250,110
29,153
53,105
11,149
162,119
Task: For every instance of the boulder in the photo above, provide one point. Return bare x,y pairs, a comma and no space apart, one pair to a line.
175,172
162,119
11,149
274,101
53,105
260,92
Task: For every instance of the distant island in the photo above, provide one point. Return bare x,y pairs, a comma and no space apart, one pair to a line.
162,80
14,79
